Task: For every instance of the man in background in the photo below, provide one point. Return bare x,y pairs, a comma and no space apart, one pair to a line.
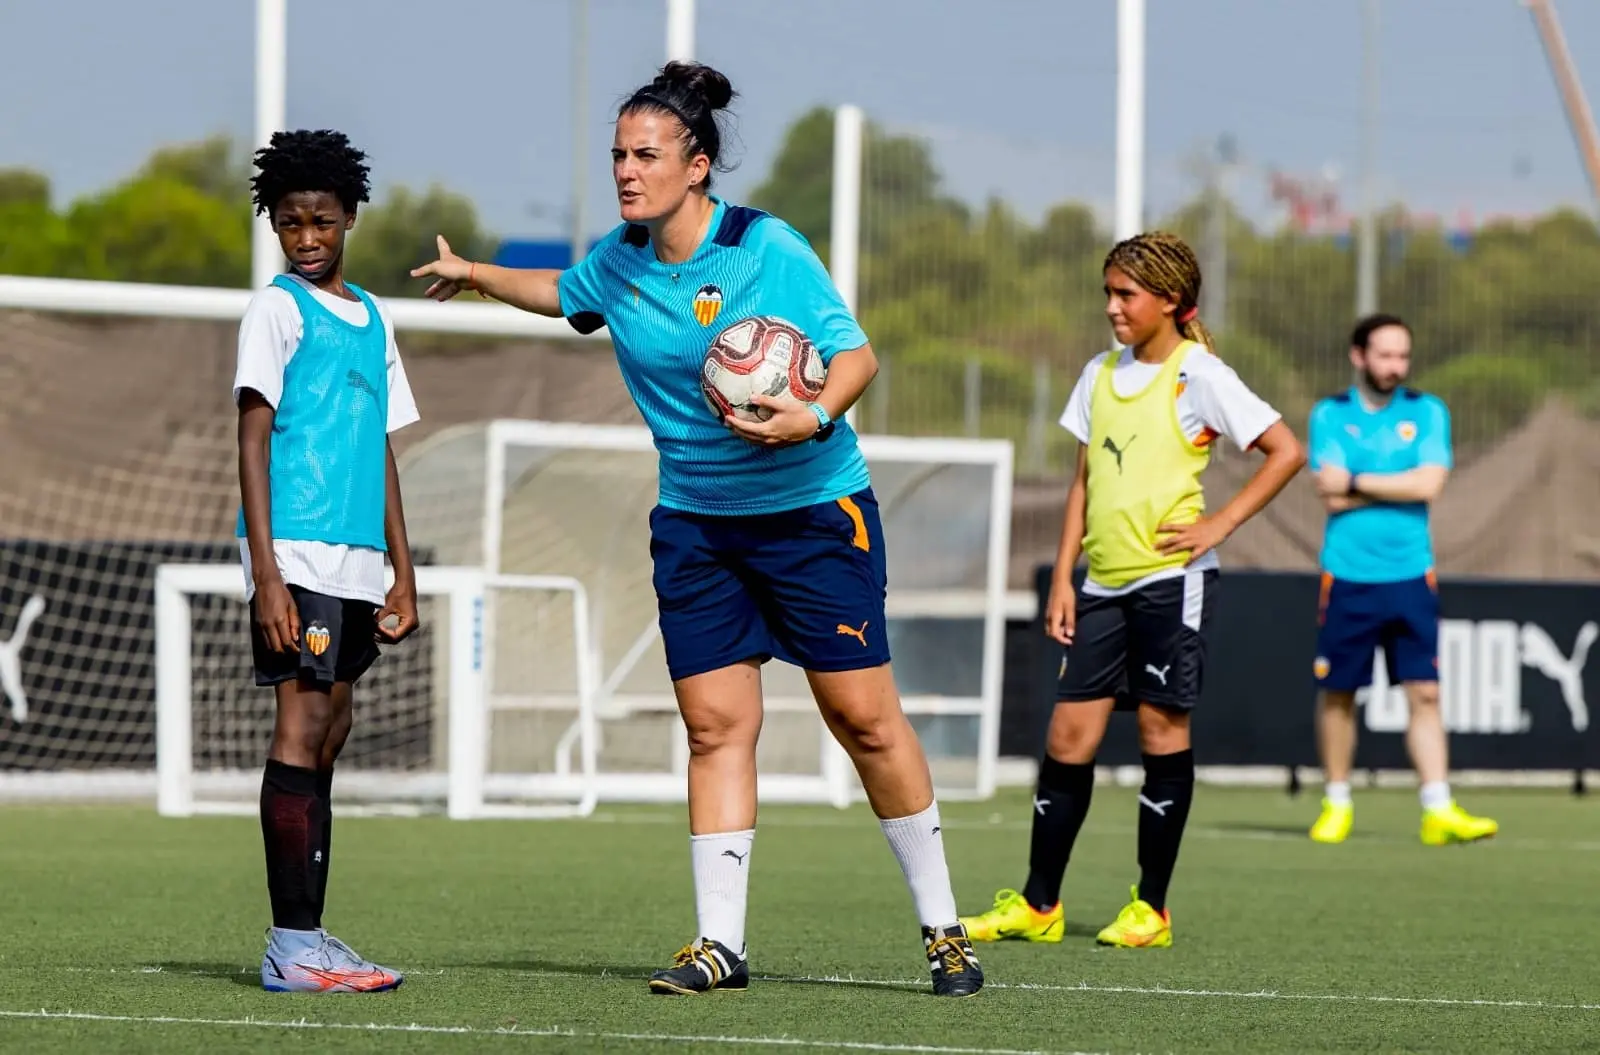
1380,453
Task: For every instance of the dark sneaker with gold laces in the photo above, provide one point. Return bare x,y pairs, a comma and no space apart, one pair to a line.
700,968
955,967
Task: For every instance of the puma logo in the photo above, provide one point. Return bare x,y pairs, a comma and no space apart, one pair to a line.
1158,808
11,658
1114,449
1150,668
850,631
1543,655
739,858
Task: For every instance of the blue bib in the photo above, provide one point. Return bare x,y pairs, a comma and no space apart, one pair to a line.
330,434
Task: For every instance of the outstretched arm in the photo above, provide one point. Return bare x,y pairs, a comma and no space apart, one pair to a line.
537,291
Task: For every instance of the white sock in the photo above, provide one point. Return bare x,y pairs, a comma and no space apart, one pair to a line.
721,884
1435,796
918,844
1337,792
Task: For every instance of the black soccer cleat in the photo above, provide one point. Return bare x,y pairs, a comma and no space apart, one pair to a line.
700,968
955,967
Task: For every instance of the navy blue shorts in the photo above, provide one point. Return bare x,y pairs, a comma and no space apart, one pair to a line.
805,586
1355,619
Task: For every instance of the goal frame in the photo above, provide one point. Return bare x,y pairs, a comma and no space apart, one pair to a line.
466,788
836,784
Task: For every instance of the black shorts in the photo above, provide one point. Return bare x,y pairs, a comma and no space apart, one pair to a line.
1147,645
338,641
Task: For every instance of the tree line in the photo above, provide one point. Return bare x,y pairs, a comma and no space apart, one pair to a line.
1501,322
184,218
948,288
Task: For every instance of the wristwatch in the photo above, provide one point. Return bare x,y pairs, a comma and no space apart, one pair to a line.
1352,490
824,422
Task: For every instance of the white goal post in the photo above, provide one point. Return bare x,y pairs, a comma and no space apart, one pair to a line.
456,775
538,687
545,498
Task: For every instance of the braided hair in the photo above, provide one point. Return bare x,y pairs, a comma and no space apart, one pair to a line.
1164,264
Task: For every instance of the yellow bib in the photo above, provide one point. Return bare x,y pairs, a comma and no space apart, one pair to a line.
1142,472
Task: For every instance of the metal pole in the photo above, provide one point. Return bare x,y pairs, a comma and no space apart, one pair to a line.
272,79
1367,234
844,235
972,397
1571,89
1215,294
580,125
680,30
1039,418
1130,118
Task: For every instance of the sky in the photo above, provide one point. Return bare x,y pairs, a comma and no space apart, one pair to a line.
1017,97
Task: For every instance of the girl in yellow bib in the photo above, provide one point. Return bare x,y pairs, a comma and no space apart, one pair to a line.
1145,417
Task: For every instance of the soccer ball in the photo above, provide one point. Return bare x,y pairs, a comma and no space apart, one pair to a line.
762,355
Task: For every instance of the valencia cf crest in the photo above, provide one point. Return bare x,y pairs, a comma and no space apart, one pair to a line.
318,638
1407,430
707,304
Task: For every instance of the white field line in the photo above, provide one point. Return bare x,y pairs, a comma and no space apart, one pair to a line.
1193,831
918,985
560,1032
1220,994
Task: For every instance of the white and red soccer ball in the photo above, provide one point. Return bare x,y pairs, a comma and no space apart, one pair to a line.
762,355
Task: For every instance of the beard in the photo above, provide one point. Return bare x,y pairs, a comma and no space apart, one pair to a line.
1384,386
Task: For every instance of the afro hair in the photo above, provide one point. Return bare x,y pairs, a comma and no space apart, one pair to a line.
309,161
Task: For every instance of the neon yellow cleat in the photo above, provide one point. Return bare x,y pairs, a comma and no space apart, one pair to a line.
1012,918
1138,926
1334,823
1452,824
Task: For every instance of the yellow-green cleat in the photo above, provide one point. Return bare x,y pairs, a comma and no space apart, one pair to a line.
1452,824
1013,919
1334,823
1139,926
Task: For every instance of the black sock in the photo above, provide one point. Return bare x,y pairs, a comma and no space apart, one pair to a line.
291,828
319,896
1163,810
1059,806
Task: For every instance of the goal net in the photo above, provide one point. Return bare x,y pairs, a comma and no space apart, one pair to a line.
121,456
538,498
421,719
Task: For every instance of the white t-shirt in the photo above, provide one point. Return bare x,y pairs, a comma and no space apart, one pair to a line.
1214,401
268,336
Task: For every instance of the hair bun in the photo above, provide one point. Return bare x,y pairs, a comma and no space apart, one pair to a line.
698,79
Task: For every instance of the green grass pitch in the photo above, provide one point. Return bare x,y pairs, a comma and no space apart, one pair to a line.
121,931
